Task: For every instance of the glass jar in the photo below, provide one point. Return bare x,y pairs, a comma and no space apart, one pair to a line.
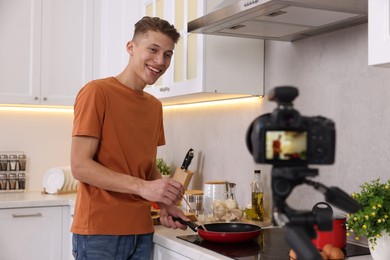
3,162
22,162
231,196
3,181
12,180
21,181
13,161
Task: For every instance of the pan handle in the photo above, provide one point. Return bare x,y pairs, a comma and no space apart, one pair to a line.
190,224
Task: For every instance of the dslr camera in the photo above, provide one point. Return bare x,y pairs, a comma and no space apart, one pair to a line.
285,138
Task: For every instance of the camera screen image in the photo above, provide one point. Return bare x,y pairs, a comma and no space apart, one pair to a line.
286,145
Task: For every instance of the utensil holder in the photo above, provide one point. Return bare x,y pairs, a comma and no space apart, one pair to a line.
184,177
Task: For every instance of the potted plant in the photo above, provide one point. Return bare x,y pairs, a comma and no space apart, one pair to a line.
163,167
372,219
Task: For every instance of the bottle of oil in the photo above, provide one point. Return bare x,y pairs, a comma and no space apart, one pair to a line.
257,197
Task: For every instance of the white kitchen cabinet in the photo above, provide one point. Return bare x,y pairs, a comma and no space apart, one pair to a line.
47,50
163,253
115,26
379,33
67,49
205,67
31,233
67,216
20,40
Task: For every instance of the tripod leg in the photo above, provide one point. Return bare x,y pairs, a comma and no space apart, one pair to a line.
300,242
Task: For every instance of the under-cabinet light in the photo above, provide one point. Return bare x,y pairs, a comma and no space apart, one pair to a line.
69,109
226,102
30,108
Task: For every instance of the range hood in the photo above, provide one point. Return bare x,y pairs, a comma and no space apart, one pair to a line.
279,19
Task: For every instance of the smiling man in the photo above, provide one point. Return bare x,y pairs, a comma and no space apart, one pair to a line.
116,131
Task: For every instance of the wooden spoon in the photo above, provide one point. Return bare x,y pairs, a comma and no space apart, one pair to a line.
189,206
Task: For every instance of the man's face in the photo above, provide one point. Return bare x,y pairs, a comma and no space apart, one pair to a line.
151,55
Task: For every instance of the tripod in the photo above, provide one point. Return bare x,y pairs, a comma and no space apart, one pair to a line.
299,225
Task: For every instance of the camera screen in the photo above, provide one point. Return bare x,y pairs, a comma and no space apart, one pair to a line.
290,145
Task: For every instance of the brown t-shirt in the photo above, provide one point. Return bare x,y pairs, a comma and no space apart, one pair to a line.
129,127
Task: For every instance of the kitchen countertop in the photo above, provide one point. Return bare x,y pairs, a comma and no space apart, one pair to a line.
168,238
164,237
35,199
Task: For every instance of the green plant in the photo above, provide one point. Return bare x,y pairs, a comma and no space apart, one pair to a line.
163,167
374,210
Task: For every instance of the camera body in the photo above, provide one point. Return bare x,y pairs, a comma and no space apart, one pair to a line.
285,138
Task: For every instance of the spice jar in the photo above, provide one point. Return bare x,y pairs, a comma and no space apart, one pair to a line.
13,160
21,181
3,181
22,162
3,162
12,181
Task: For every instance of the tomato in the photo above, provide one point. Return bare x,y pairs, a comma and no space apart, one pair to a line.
155,206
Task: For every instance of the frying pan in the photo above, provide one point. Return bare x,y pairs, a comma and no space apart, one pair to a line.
224,232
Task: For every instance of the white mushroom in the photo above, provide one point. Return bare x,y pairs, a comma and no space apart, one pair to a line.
219,208
226,210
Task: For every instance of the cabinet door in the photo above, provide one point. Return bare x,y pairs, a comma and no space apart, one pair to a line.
67,49
31,233
157,8
20,46
379,33
115,26
162,253
67,220
183,64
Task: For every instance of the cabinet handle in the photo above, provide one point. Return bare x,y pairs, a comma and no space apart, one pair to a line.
26,215
45,99
36,98
164,89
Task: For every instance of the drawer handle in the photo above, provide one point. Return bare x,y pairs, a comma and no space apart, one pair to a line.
26,215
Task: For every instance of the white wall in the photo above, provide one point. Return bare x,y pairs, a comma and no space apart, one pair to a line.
217,134
43,134
334,81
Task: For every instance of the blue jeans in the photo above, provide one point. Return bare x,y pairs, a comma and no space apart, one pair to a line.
108,247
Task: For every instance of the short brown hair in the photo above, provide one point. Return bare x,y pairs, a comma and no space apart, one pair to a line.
157,25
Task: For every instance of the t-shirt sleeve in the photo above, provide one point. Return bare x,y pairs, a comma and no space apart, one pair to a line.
89,111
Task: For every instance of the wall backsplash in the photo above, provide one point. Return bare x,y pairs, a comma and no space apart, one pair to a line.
217,134
43,134
334,80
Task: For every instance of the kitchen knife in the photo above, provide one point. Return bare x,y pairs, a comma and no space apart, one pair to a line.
187,159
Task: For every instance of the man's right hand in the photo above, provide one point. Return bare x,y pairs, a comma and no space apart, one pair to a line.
167,191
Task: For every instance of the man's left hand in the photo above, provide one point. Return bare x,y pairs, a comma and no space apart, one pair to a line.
168,212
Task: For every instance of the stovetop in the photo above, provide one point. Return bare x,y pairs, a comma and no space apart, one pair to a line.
269,245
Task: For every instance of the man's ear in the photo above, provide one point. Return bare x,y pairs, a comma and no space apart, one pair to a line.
129,47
